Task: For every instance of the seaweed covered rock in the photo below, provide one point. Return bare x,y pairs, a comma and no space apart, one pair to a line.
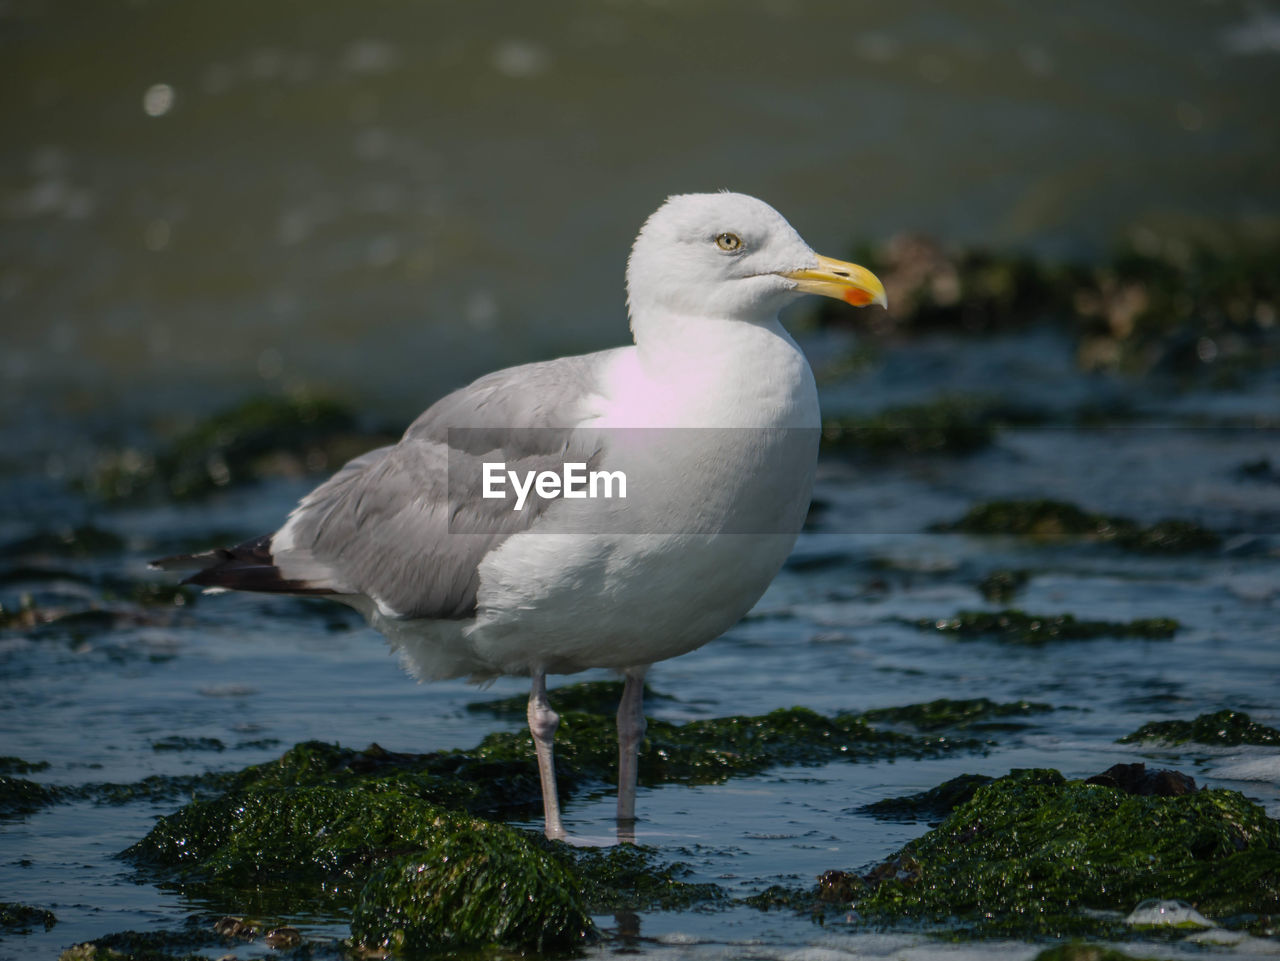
188,943
1012,626
351,830
1165,304
22,918
713,750
16,765
263,436
632,877
932,805
947,426
20,797
295,835
491,885
1050,520
397,838
1033,853
1002,585
957,713
1221,727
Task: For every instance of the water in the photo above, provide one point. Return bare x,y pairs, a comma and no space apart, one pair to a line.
832,633
447,190
198,205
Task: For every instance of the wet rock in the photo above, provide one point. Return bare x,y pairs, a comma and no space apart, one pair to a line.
1160,913
931,806
1033,853
1222,727
23,919
230,927
176,945
839,887
1050,520
283,937
1136,779
1012,626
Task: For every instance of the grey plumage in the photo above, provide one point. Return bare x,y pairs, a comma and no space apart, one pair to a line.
384,527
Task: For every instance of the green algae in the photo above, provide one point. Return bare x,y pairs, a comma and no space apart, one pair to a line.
632,877
713,750
947,426
1179,306
155,788
947,712
293,835
1012,626
1222,727
16,765
1001,586
490,885
1050,520
260,437
23,919
20,797
396,838
1033,853
589,697
498,778
413,873
932,805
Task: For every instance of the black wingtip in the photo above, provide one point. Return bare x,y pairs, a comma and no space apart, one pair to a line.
246,567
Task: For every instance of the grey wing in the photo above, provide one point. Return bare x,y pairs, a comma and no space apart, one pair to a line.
388,525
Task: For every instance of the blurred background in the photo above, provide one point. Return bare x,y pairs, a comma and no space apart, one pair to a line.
385,200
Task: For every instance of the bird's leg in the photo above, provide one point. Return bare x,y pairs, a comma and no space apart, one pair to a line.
631,728
543,722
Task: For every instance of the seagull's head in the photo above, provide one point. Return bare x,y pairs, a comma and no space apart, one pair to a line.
733,257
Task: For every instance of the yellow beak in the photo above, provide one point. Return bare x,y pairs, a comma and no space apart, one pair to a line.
843,281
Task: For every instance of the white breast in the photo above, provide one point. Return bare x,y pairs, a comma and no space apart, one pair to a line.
735,410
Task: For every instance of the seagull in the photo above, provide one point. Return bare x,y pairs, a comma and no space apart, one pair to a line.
706,428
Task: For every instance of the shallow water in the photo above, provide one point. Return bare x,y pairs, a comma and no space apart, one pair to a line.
833,633
198,206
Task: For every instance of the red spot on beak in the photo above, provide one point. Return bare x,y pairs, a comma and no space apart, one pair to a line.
859,298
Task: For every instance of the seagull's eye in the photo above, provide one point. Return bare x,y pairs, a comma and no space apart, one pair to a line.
729,242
